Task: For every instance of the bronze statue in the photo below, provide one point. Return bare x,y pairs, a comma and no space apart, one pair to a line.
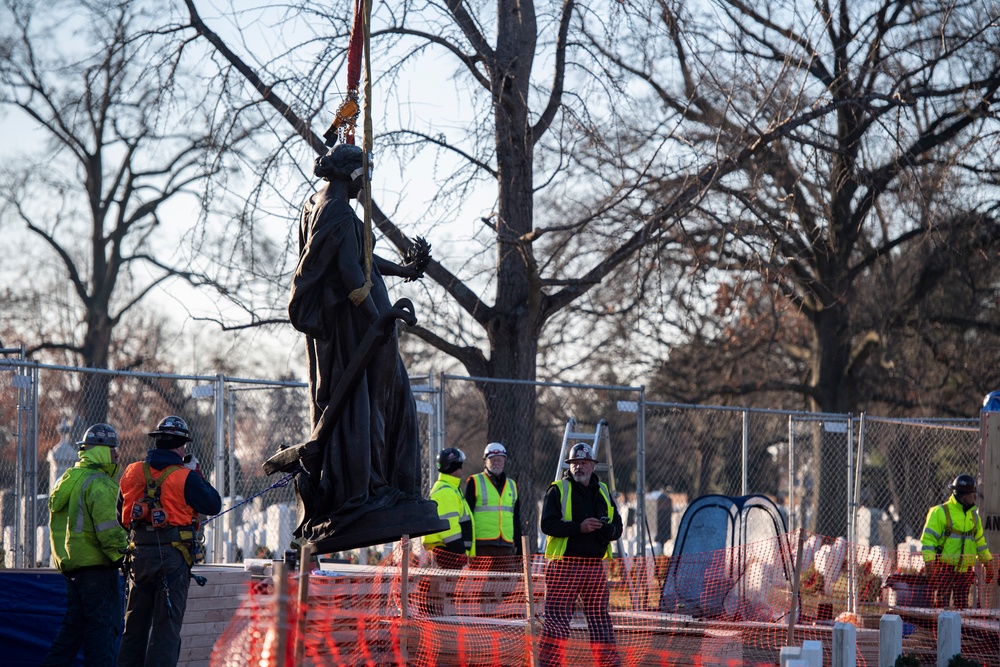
362,463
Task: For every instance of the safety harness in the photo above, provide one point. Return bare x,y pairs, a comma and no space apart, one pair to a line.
154,529
949,530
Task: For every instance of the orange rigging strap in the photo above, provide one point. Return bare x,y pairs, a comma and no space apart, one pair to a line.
346,118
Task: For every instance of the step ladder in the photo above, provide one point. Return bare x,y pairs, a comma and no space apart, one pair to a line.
600,445
599,441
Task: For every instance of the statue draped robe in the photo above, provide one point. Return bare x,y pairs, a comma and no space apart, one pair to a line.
370,458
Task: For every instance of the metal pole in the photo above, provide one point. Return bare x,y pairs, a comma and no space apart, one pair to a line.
441,430
220,455
857,499
744,485
32,531
19,470
793,510
851,536
230,518
640,473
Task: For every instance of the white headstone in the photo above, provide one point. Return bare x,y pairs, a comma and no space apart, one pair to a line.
812,652
949,637
280,524
845,645
890,639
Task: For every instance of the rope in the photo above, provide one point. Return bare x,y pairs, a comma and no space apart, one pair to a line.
359,295
284,481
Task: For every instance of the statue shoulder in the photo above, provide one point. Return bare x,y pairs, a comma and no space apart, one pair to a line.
330,212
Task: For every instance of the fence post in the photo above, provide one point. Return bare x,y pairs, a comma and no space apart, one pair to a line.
220,458
890,639
230,522
852,541
790,502
845,645
949,627
442,425
640,475
745,455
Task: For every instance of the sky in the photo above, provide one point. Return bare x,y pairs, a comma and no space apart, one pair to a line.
405,191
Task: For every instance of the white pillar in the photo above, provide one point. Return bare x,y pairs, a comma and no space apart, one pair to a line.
845,645
789,654
949,637
812,652
890,639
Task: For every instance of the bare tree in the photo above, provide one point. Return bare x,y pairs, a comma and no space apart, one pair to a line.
545,118
129,142
832,245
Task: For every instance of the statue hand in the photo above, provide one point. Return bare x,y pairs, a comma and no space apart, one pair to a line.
417,257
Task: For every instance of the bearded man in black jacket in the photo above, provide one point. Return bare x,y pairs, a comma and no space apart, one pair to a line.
582,521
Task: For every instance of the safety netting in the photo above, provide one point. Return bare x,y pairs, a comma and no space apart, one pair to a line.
725,607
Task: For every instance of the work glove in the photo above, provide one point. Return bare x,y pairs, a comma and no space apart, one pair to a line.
191,462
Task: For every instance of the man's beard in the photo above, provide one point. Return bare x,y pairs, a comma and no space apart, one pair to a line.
581,477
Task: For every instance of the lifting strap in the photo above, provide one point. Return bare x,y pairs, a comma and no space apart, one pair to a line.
363,9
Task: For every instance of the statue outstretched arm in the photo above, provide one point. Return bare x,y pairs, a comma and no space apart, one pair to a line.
415,261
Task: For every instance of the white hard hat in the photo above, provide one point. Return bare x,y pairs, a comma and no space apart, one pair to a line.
494,449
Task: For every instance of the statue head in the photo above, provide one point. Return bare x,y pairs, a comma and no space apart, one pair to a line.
343,162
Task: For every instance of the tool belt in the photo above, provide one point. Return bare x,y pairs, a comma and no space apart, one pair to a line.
182,538
147,535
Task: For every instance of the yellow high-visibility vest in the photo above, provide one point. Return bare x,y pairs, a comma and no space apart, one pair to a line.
556,546
494,511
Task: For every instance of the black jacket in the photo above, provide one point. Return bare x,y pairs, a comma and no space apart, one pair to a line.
587,502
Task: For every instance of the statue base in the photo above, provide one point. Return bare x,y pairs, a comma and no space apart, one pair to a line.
412,516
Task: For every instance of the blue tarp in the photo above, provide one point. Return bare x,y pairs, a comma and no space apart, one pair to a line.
32,605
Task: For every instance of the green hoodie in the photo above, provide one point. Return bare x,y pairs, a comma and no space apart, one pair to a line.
84,526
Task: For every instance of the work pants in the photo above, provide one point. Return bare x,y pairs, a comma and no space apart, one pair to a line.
565,581
946,583
92,620
496,558
449,560
154,612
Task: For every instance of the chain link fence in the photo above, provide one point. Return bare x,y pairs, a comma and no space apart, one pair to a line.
868,478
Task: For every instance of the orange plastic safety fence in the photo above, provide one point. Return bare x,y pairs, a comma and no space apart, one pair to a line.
724,608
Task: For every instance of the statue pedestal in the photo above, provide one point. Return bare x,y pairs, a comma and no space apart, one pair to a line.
413,517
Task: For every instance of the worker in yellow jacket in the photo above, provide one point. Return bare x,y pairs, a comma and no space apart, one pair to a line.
952,543
87,547
453,546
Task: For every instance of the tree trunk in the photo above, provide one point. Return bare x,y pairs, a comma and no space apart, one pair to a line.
513,330
92,404
833,394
